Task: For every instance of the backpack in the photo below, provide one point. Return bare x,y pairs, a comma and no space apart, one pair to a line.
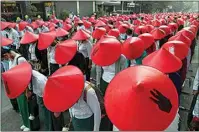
99,96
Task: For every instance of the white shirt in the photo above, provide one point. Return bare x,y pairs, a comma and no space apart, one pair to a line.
51,53
4,33
14,35
133,63
80,27
188,59
109,71
83,110
195,87
44,29
38,83
85,49
28,28
32,52
13,63
157,45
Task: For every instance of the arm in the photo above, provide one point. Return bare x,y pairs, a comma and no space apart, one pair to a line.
94,105
98,75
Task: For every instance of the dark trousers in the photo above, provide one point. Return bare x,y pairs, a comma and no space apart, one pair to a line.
88,70
53,68
190,116
58,123
14,104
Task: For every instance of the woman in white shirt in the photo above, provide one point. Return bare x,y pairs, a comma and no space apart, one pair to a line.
85,48
86,113
51,58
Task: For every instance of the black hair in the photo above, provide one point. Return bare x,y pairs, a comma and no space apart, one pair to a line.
4,51
129,31
79,61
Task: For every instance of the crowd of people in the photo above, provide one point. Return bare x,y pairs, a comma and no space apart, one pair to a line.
141,63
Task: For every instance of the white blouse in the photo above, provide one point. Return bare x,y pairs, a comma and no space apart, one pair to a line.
32,52
13,63
51,53
83,110
85,49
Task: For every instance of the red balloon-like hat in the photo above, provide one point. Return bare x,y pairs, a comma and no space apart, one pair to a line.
141,29
130,93
163,60
182,38
133,48
62,90
122,28
46,39
148,39
114,32
60,32
17,79
149,28
100,24
22,25
29,37
100,53
34,25
158,34
166,29
178,48
173,26
67,27
99,32
4,25
81,35
65,51
156,23
5,41
188,33
87,24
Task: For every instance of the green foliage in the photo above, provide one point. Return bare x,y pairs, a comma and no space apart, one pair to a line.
64,14
33,10
100,13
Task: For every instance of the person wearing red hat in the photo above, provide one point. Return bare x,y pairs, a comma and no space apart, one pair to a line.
17,59
14,35
80,25
86,112
44,28
51,57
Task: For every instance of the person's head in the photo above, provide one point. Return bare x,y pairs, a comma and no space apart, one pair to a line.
7,53
80,24
79,61
129,31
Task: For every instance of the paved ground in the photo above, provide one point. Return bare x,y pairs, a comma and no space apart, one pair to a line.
11,121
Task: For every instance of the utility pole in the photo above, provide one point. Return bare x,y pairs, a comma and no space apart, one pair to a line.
122,6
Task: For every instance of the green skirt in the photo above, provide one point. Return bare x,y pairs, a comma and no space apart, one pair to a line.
23,109
83,124
46,114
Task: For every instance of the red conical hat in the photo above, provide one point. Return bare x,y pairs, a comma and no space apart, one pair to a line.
46,39
5,41
100,24
87,24
100,53
65,51
108,27
133,48
4,25
80,22
141,29
149,28
81,35
129,93
188,33
180,21
182,38
99,32
60,32
12,25
179,48
158,34
34,25
148,39
166,29
17,79
156,23
62,90
68,20
67,27
22,25
40,22
114,32
29,37
163,60
173,26
122,28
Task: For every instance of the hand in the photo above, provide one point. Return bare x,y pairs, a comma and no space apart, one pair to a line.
57,114
195,92
163,103
89,66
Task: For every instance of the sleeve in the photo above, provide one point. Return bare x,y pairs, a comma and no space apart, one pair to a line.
94,105
89,47
98,74
196,81
21,60
123,62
